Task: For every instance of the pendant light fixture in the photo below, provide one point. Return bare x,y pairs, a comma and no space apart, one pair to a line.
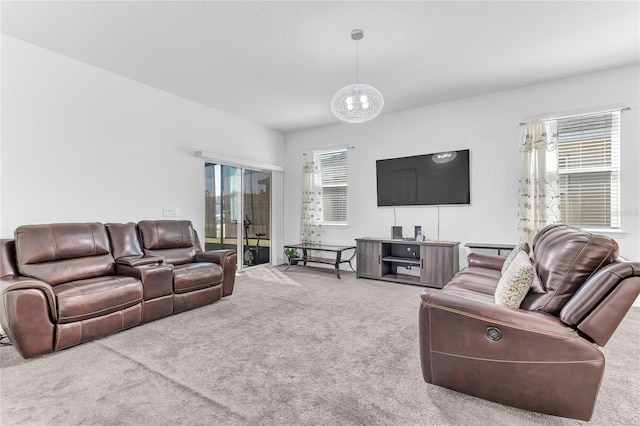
357,103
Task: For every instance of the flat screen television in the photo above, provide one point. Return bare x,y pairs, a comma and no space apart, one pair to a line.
424,180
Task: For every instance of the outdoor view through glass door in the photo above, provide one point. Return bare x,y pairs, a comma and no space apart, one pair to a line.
257,217
238,212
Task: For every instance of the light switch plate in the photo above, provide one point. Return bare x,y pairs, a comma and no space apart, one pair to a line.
170,212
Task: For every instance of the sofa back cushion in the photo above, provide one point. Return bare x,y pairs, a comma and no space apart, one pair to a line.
62,252
8,258
172,240
565,257
124,239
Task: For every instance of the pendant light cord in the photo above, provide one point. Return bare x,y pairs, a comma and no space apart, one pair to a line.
357,61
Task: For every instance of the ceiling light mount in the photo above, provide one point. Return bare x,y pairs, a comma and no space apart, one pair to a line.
357,103
357,35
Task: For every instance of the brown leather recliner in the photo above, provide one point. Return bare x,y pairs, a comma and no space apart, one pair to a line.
544,356
61,288
198,277
68,283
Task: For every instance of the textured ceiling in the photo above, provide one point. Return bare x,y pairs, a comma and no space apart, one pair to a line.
279,63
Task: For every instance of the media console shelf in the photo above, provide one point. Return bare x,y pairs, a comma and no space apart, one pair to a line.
425,263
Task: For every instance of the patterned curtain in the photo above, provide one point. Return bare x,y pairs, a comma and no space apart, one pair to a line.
539,203
311,231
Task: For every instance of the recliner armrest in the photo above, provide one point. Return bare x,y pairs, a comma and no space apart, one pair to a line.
11,283
225,258
495,313
483,260
157,279
213,256
28,314
139,260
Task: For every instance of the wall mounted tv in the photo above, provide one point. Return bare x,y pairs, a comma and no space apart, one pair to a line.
424,180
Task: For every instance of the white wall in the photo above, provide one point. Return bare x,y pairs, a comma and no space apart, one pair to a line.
488,126
83,144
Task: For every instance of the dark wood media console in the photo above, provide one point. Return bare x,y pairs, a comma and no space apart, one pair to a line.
425,263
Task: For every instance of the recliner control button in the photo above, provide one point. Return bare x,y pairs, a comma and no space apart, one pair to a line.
494,333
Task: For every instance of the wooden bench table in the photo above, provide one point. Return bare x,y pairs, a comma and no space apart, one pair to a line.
325,248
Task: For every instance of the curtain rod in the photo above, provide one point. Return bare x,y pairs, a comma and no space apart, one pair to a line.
333,148
522,123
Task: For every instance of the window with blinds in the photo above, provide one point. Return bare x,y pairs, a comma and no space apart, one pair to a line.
589,170
333,166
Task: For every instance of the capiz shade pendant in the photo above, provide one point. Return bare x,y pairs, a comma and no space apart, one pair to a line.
357,103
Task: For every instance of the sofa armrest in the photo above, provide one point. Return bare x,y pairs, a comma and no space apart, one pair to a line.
484,260
498,314
28,314
157,279
13,283
600,304
225,258
213,256
139,260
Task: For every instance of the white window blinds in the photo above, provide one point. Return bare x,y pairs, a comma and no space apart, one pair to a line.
333,165
589,170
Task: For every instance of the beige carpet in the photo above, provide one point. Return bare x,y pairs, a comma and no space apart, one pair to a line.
291,348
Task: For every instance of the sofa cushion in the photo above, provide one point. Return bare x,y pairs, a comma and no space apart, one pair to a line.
521,246
172,240
90,298
167,234
62,252
473,281
124,239
515,282
195,276
483,272
536,284
565,257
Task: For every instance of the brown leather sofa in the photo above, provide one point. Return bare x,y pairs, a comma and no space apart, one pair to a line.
68,283
544,356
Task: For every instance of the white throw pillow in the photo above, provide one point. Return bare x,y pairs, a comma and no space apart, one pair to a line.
515,283
522,246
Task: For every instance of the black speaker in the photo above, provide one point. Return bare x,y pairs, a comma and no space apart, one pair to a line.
396,232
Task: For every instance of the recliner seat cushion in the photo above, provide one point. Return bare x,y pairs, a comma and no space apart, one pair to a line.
94,297
195,276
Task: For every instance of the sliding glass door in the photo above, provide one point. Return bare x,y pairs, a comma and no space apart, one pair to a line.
222,206
238,212
256,197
